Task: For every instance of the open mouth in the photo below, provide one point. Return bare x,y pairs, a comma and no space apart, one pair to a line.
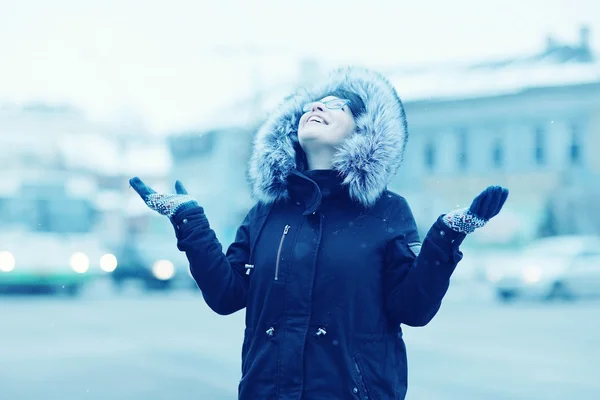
317,120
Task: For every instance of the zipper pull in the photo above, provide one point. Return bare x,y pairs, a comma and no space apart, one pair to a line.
249,267
287,228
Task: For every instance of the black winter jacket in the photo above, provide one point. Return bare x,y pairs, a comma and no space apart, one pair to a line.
328,264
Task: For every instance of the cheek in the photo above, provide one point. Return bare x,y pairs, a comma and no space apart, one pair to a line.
301,121
347,128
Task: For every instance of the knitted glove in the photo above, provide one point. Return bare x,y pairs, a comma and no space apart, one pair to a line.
165,204
484,207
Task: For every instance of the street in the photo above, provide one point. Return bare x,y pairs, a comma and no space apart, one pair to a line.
171,346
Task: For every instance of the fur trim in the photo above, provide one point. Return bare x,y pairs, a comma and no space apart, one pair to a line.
367,160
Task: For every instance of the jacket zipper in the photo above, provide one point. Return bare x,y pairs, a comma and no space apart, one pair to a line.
362,383
285,232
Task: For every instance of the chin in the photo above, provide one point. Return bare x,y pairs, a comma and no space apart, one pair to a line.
308,136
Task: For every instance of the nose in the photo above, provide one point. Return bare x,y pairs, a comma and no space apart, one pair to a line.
317,105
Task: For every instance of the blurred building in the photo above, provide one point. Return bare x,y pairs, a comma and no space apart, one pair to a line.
211,165
77,164
530,123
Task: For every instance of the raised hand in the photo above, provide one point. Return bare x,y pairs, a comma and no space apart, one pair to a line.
165,204
483,208
489,202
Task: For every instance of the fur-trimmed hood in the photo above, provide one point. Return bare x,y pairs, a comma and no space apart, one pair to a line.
367,160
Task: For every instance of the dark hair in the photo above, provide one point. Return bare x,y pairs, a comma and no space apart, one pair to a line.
357,106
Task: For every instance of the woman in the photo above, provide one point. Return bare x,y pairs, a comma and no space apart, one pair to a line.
328,264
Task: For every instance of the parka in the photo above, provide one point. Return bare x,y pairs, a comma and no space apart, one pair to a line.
328,264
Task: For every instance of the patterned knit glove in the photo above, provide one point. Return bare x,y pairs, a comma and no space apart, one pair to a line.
165,204
484,207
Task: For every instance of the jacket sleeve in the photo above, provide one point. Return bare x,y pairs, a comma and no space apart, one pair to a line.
416,276
221,277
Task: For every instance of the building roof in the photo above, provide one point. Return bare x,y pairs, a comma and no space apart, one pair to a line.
557,64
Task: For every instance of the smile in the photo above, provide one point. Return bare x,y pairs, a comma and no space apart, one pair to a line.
316,119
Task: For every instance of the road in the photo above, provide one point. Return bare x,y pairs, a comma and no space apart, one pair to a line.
171,346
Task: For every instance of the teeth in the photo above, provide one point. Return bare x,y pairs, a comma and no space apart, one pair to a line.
316,119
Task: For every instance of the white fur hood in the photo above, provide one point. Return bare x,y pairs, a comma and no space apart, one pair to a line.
367,160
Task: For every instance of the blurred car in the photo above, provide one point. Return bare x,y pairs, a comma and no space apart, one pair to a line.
564,267
52,262
155,264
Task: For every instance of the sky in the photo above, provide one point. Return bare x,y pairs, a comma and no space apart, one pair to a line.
174,64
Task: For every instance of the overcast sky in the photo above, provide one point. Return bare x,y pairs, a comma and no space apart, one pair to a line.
158,59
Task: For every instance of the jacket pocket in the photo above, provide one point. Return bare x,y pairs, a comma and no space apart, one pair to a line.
361,383
260,379
379,364
261,349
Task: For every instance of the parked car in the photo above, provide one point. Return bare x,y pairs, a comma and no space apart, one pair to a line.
149,256
564,267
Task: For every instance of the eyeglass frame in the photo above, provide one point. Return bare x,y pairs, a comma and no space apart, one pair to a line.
308,106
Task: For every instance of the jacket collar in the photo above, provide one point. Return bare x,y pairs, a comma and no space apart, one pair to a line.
312,187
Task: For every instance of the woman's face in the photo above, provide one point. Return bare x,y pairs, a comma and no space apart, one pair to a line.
324,126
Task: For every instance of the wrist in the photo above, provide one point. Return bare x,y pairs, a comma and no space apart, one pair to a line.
178,210
169,204
463,221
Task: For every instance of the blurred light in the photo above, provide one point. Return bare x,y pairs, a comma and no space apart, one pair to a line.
108,263
494,275
532,274
7,261
163,270
80,263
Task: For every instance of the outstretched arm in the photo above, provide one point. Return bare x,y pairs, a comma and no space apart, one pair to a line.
219,276
417,276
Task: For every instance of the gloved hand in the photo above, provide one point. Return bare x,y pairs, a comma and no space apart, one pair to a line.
165,204
484,207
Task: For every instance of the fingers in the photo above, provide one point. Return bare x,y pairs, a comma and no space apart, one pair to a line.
489,202
481,203
498,198
179,188
495,198
503,196
140,187
476,204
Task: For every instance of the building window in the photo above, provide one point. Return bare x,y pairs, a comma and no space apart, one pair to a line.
463,153
498,154
430,156
575,145
540,146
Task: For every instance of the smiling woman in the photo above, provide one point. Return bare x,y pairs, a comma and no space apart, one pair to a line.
322,128
328,264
